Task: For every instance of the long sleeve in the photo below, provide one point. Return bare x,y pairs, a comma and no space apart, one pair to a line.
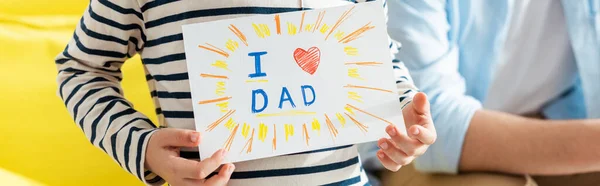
427,30
89,83
405,86
406,90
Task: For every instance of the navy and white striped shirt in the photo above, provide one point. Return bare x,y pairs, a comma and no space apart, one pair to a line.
112,31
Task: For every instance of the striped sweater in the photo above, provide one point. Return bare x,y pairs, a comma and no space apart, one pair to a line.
112,31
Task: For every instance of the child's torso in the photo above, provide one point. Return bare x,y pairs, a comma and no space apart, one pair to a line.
166,73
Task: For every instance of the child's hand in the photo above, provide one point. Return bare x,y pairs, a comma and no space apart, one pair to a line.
162,157
401,149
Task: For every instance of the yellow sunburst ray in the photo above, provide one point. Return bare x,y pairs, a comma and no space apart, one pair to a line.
262,30
292,30
348,109
286,113
316,125
353,73
355,96
262,132
221,64
289,131
308,27
351,51
220,90
341,118
230,124
338,35
257,80
231,45
324,28
223,106
245,130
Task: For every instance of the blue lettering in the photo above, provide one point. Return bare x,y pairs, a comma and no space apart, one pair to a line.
314,96
285,96
257,65
265,98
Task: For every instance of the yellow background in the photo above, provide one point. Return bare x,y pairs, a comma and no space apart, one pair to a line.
39,142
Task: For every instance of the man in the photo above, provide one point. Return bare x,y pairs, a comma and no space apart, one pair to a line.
488,66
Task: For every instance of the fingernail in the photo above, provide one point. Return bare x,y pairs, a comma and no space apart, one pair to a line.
223,152
415,131
392,132
384,145
230,169
194,137
380,154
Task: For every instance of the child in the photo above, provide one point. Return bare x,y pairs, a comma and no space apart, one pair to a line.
110,32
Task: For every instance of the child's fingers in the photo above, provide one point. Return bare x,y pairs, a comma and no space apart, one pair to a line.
406,144
387,162
393,152
178,137
188,182
222,177
184,168
211,164
422,134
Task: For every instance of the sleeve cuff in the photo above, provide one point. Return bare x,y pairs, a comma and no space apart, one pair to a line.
451,122
144,174
407,97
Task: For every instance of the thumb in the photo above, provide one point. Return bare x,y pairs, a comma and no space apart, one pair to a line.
420,104
178,137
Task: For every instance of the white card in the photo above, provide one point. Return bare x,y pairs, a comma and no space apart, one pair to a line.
285,83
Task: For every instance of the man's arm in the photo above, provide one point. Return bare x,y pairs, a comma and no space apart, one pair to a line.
502,142
495,141
430,51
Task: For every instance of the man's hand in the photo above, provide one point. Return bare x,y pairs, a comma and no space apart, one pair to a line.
401,149
162,157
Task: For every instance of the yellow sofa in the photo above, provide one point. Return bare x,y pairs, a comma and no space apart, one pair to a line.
39,143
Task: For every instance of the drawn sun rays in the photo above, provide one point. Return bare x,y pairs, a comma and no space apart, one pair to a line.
252,132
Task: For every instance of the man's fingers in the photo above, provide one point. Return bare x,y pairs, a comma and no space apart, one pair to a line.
193,169
178,137
222,177
422,134
420,104
387,162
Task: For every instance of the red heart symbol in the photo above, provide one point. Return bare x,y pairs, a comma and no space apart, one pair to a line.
308,60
